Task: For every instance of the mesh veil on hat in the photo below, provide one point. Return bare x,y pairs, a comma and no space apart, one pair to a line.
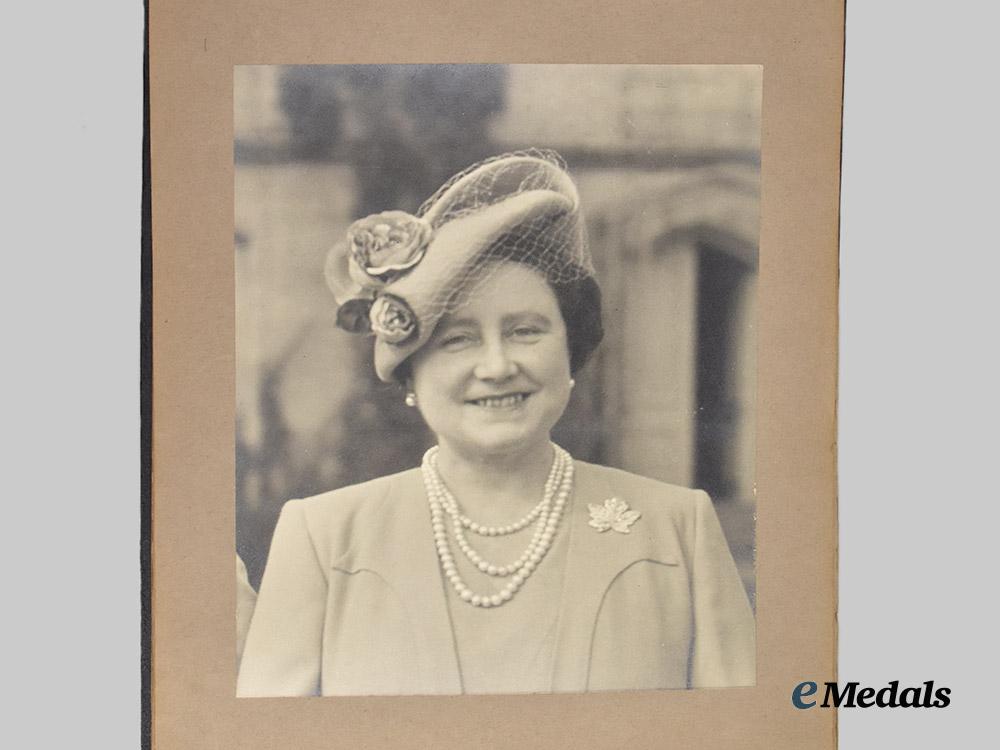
397,274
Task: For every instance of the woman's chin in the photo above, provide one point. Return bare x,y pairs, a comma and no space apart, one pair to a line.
504,440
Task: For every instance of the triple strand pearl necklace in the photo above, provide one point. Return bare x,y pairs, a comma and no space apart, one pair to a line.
546,516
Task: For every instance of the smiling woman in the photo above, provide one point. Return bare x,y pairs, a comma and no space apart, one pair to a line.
501,564
494,378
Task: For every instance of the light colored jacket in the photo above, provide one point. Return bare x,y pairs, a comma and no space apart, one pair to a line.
352,601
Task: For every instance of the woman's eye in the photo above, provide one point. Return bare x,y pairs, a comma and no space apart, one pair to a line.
455,340
527,332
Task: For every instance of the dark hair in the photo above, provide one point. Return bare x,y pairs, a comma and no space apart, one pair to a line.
580,305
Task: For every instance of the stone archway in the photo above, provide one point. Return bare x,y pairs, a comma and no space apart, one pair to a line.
679,370
676,237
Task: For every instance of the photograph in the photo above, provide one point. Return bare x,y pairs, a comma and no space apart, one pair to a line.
496,378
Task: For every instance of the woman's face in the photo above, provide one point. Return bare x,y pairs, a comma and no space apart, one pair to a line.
494,378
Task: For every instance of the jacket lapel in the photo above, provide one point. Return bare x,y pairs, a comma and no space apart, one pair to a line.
402,550
593,562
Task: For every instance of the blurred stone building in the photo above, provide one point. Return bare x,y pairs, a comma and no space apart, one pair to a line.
667,162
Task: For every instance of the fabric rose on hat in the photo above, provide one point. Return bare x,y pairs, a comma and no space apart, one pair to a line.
379,249
392,320
385,245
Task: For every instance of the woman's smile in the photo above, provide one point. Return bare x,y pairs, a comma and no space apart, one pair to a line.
506,402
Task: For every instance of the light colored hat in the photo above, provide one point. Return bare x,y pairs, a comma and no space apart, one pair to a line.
397,274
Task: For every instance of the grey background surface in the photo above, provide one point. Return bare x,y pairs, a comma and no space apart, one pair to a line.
918,396
919,370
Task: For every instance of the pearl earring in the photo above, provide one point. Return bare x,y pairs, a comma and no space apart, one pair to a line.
572,382
411,399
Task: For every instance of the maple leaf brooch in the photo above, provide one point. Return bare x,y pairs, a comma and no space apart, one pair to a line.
613,514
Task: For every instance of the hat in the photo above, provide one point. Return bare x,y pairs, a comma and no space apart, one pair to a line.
397,274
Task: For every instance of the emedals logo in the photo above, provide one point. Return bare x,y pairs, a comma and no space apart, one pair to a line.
854,696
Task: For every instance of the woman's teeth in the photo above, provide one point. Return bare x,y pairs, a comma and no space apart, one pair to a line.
501,402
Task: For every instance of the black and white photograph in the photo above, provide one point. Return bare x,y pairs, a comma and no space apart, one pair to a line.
495,378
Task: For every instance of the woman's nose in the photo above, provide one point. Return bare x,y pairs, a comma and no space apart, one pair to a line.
495,362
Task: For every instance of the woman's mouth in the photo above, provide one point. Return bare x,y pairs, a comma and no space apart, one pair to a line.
508,401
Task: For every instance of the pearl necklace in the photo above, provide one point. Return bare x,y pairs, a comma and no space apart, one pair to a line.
548,512
450,506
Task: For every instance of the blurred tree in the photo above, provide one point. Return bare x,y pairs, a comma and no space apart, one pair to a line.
404,128
313,107
450,108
